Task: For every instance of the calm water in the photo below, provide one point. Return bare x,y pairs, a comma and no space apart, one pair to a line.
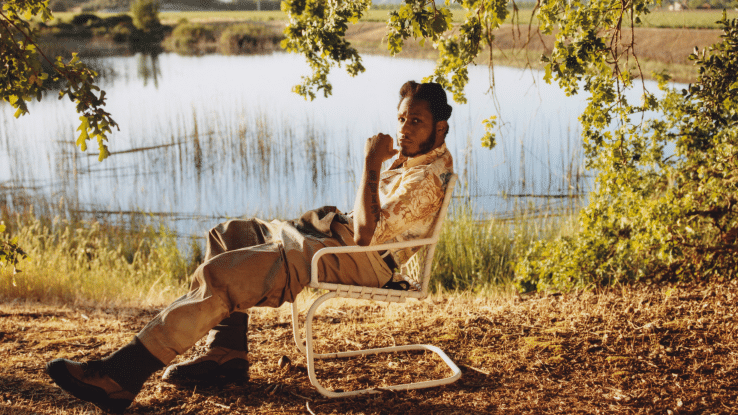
207,138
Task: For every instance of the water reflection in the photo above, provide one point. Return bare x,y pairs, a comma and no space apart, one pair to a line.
148,68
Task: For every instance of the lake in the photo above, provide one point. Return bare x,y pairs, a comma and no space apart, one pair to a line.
207,138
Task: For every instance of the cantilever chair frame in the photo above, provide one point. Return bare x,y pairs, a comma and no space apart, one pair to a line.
420,264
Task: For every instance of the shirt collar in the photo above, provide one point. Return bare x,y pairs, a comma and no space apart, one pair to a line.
426,158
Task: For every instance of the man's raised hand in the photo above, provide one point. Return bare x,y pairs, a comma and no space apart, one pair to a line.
379,148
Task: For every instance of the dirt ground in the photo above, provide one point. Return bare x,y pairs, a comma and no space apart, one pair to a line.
659,349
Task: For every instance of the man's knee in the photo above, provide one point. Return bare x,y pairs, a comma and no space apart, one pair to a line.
233,234
210,275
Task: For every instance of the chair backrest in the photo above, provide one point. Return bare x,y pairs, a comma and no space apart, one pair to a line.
420,265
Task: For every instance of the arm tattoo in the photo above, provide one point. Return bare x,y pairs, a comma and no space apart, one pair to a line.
373,184
375,211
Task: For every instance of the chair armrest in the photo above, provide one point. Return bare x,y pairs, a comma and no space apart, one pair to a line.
355,248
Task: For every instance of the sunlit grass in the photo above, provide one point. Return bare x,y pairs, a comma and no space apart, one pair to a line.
139,263
89,261
480,255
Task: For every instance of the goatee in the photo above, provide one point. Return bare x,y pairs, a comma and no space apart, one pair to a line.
424,146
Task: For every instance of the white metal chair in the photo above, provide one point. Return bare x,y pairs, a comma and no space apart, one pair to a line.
418,268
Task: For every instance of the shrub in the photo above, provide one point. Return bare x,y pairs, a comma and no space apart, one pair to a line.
121,32
99,31
145,14
186,36
248,38
480,255
116,20
85,19
656,216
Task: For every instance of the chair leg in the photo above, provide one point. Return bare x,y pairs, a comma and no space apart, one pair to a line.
296,332
311,356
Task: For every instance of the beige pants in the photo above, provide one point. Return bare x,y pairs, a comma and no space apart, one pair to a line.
255,263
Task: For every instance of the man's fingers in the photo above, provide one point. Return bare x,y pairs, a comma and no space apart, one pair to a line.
381,146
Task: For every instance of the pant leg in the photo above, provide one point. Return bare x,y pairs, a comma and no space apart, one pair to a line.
232,332
236,234
236,280
233,280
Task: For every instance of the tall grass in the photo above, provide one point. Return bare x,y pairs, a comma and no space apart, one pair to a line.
90,261
137,263
480,255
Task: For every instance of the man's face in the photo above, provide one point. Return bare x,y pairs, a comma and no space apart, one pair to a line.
416,131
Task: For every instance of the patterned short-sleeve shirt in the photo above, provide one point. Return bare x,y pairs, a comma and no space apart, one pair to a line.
411,193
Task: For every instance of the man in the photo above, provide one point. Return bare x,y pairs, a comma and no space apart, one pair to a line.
256,263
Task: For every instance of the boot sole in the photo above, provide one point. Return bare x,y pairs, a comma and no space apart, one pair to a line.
222,375
57,370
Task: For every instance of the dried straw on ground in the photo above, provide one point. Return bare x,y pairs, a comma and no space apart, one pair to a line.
625,350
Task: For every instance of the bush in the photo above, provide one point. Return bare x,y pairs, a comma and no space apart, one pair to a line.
480,255
145,14
186,37
655,216
112,21
99,31
248,38
122,32
85,19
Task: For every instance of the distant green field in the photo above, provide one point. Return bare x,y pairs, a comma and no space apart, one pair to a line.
374,15
686,19
237,15
665,19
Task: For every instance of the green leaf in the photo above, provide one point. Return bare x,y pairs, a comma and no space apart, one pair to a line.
82,140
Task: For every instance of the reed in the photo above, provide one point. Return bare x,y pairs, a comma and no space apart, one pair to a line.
128,261
480,255
96,262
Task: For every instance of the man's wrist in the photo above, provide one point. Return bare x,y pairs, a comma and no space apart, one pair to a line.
372,162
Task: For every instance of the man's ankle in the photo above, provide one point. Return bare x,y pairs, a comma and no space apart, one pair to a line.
131,365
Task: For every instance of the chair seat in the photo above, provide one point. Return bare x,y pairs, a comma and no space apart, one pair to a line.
371,293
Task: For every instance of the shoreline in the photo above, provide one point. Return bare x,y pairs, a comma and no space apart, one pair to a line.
657,49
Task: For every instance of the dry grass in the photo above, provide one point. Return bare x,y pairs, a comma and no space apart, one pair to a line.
622,350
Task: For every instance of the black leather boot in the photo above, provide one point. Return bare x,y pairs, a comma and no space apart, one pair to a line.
225,360
110,384
218,366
